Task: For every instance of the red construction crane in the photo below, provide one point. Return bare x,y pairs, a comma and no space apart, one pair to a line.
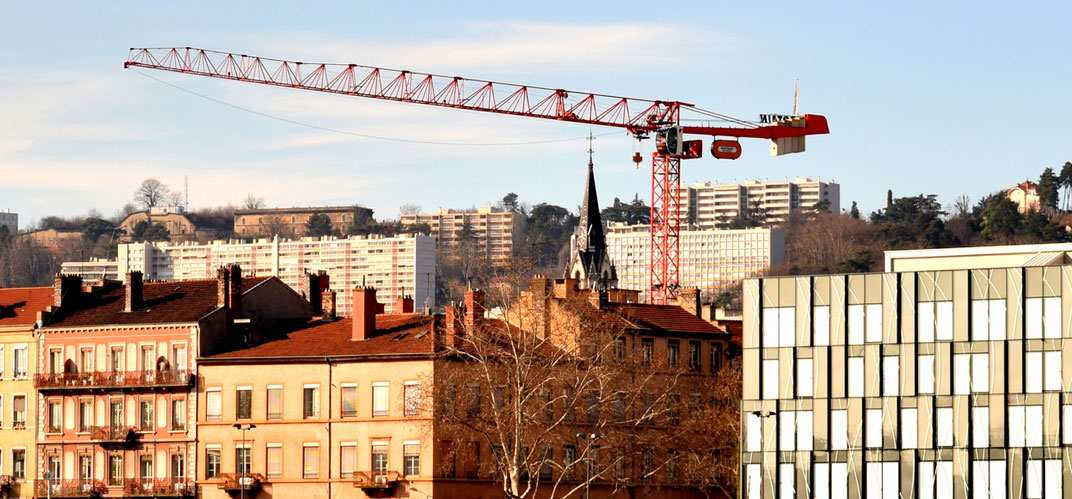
638,117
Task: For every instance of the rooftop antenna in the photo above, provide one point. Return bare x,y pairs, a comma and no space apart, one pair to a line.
186,192
796,94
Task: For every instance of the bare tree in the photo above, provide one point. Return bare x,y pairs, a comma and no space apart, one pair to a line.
151,193
124,212
409,209
522,389
175,198
252,202
274,225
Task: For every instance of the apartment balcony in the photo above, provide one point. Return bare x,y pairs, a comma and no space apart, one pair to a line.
113,380
5,484
69,488
161,487
113,435
235,484
377,480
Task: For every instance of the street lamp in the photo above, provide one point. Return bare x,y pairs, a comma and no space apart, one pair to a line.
588,438
249,456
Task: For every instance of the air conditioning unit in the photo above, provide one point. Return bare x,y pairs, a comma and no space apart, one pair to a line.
380,480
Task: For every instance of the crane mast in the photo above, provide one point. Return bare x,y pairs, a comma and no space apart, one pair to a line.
638,117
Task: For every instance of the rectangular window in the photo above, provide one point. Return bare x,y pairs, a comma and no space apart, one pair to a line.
839,429
1066,424
925,374
148,359
212,462
274,456
770,379
411,458
1043,317
380,398
1043,478
55,361
694,355
1033,369
805,378
55,416
379,456
989,479
1052,368
647,350
178,414
243,459
115,413
178,357
753,481
85,360
117,359
348,394
873,312
146,415
18,464
178,466
873,423
856,376
311,401
883,479
980,427
145,466
547,456
891,367
787,475
980,373
213,404
347,459
20,361
673,349
569,457
412,395
944,415
961,374
856,324
821,324
85,467
935,321
988,319
753,433
619,348
786,430
115,469
18,411
85,415
275,402
909,435
716,356
244,402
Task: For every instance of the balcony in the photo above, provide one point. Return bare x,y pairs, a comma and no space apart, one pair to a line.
161,487
5,484
69,488
113,380
376,480
234,483
113,434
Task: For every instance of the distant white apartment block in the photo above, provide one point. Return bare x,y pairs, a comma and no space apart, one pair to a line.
495,231
710,259
395,266
9,220
708,204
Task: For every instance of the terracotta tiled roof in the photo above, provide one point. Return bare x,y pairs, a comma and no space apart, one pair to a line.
163,302
395,334
19,306
736,329
664,318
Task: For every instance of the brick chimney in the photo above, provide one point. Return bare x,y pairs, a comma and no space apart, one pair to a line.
474,308
234,291
66,289
540,290
223,284
450,325
365,310
327,305
311,290
404,305
133,288
689,299
599,299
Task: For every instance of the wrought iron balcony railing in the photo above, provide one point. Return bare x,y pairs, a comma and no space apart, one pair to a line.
69,488
160,487
113,434
114,379
377,479
235,483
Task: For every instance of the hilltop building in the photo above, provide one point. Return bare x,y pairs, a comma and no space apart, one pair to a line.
181,226
497,233
942,377
10,221
398,266
708,205
290,222
1025,195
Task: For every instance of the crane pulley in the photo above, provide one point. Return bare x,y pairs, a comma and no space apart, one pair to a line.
639,117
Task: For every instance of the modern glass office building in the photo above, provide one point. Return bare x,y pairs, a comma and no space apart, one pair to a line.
940,378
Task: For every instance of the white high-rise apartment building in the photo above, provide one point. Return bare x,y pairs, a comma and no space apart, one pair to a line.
707,204
710,259
495,231
395,266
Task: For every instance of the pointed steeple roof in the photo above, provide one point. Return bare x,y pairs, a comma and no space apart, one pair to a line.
591,222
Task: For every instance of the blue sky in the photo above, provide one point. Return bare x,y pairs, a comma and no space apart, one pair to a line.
957,98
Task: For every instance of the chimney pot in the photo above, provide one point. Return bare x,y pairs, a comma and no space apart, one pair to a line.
474,307
66,289
133,291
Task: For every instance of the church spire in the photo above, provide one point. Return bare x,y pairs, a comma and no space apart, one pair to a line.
591,222
589,261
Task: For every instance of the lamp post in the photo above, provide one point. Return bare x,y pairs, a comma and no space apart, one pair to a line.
588,438
249,455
